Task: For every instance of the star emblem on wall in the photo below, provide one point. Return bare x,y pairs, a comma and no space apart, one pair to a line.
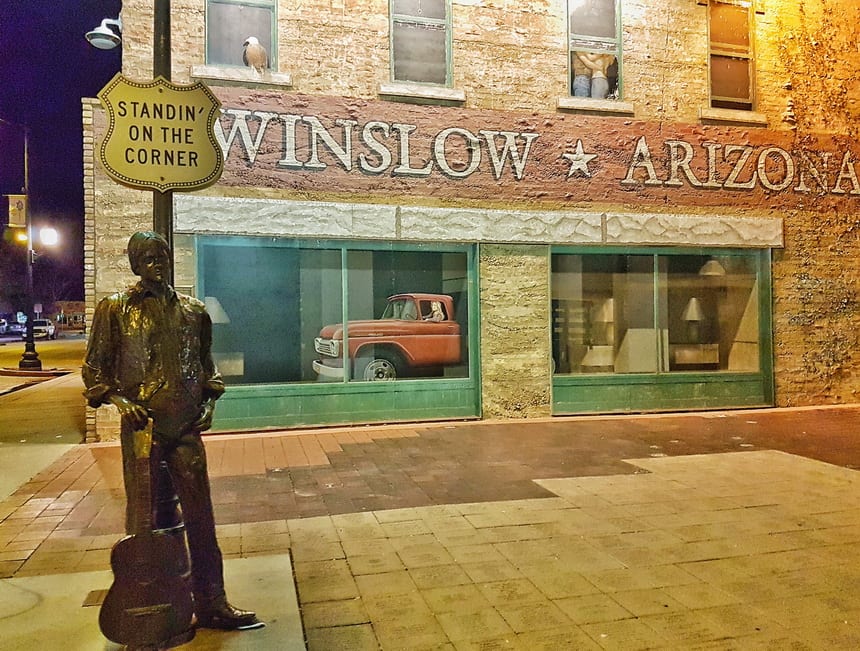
579,160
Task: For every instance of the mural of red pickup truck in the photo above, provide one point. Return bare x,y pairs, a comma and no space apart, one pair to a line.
416,332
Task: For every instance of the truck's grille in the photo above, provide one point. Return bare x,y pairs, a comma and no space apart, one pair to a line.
330,347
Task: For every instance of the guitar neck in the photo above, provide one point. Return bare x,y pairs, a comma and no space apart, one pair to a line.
143,481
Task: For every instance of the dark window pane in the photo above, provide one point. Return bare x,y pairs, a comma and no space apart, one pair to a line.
713,310
420,53
603,314
730,27
227,27
421,8
730,78
592,17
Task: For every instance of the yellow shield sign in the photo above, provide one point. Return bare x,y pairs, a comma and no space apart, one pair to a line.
161,135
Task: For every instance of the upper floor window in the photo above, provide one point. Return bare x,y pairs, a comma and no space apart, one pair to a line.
731,54
421,41
229,23
594,45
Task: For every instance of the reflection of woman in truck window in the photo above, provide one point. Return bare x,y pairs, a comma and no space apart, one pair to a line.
436,313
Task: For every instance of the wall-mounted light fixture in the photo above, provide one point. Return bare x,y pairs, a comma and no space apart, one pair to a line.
103,37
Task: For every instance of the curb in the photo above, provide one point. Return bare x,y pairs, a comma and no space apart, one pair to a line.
44,373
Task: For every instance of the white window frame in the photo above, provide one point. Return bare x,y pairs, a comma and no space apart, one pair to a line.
579,42
733,52
272,5
421,20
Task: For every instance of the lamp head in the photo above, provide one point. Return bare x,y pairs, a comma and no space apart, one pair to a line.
103,37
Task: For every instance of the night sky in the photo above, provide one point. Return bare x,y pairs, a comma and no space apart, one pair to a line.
46,67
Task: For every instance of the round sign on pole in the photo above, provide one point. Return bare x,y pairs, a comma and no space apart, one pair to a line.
161,135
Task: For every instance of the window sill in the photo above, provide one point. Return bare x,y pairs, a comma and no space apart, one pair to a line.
421,94
235,76
732,116
588,105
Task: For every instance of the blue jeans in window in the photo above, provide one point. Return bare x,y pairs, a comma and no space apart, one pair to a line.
581,85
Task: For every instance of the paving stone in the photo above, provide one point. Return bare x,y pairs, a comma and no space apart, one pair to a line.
460,598
354,638
555,639
491,571
385,583
624,634
700,595
439,576
482,553
478,625
647,602
533,616
375,563
420,632
510,591
424,555
556,581
324,614
591,608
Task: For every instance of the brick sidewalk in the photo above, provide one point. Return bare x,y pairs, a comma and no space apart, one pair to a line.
418,510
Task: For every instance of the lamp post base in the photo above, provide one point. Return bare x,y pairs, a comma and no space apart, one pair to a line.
30,360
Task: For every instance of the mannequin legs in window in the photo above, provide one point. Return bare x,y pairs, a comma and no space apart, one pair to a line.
598,64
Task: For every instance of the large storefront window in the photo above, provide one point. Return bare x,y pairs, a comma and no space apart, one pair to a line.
654,313
650,317
286,311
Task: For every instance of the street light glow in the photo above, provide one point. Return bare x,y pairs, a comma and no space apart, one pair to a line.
48,236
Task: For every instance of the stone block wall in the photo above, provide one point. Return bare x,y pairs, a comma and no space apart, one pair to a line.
512,56
515,344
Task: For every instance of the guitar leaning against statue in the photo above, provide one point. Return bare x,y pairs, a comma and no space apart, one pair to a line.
150,601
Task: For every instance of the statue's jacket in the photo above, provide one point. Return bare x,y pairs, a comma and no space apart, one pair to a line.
155,351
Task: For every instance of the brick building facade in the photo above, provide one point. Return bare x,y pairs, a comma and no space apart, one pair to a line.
572,231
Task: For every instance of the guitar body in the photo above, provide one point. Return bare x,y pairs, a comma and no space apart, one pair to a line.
149,602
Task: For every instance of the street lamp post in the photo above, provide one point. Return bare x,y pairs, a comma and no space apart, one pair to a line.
30,359
162,202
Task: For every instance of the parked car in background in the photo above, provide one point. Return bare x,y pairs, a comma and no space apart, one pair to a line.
42,329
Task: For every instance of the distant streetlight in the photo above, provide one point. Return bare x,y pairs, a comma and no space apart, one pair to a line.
47,236
30,359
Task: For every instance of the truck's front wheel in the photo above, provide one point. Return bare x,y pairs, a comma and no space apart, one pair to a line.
383,366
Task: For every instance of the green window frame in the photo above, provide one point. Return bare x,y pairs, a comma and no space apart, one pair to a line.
230,22
654,329
420,41
731,54
272,299
594,49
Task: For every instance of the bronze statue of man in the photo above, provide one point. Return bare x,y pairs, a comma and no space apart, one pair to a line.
149,354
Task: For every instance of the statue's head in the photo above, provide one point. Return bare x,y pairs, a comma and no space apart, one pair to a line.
143,242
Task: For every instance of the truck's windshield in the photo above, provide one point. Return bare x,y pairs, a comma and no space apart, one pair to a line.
401,309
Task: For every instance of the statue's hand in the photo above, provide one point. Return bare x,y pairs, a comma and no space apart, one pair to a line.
204,421
132,414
